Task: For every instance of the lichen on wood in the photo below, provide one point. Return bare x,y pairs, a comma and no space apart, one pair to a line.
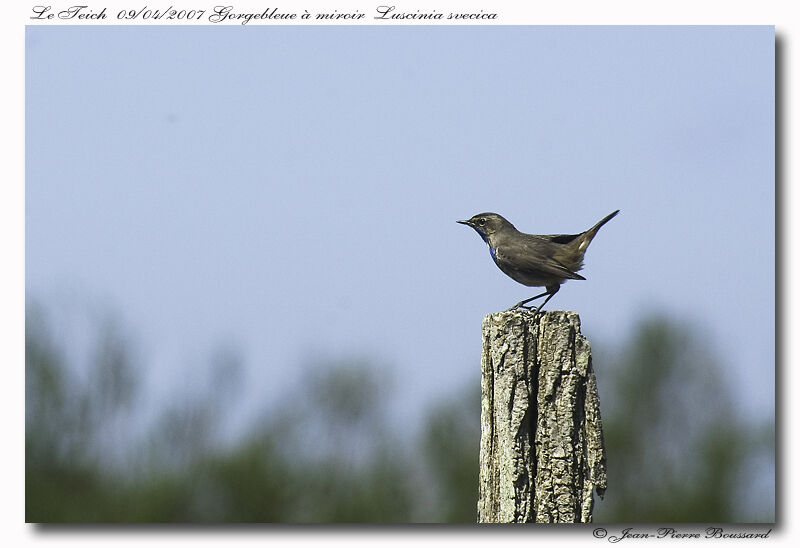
542,456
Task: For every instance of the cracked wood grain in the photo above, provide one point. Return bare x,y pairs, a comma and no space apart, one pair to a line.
542,456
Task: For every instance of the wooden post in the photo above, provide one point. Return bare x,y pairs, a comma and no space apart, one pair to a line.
542,451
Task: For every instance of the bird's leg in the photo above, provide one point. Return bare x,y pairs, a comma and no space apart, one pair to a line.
551,290
522,303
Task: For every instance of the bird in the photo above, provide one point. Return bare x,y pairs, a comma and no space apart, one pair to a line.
534,260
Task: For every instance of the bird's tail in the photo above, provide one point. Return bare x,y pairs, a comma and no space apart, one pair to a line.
588,236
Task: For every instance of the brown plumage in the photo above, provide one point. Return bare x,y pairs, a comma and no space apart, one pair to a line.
535,260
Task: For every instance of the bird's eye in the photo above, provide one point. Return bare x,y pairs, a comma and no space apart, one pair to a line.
481,221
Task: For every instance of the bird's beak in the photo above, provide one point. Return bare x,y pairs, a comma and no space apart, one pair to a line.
465,223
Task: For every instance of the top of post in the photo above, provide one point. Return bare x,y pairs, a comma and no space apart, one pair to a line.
550,317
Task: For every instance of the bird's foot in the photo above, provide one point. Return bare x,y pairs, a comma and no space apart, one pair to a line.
536,310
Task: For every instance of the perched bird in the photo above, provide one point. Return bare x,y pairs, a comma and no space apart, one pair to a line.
532,259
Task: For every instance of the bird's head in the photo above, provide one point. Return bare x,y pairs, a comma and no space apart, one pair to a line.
487,224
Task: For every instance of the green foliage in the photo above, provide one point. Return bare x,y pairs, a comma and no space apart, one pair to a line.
675,445
329,452
450,444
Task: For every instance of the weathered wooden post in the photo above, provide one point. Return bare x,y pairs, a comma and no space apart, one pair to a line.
542,452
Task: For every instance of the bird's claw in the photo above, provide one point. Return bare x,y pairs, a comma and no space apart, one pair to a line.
525,307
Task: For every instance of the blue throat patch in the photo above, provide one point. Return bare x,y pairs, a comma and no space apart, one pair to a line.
482,234
486,239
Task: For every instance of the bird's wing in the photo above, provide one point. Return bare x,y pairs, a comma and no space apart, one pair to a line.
534,256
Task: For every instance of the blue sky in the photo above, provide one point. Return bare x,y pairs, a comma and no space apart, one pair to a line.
293,191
